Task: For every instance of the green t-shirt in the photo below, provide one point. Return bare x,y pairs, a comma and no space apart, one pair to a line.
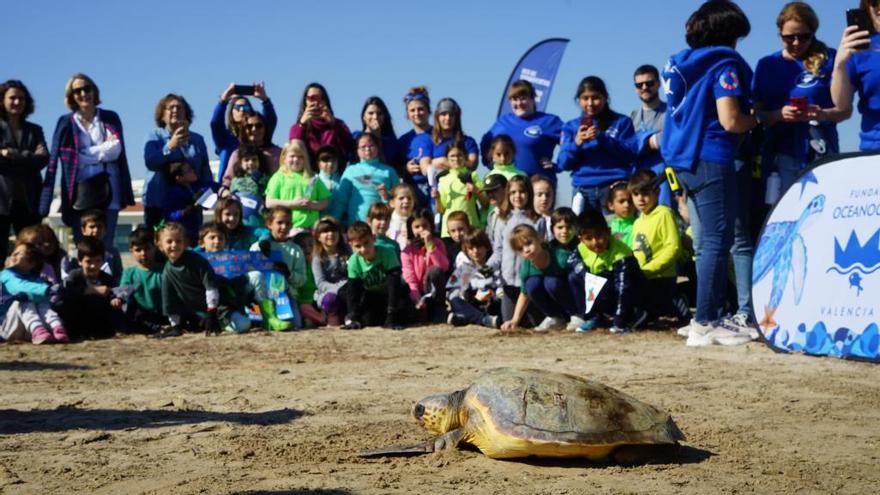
622,228
507,171
384,240
148,286
294,185
305,293
452,195
558,265
373,273
604,262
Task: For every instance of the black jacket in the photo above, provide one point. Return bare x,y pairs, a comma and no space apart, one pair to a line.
20,174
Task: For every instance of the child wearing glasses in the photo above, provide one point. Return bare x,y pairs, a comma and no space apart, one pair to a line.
363,183
296,187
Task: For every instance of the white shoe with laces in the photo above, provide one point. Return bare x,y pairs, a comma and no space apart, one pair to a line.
574,323
685,330
699,334
550,323
728,337
741,323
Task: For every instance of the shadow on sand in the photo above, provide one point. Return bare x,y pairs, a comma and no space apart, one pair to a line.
13,421
38,366
317,491
653,455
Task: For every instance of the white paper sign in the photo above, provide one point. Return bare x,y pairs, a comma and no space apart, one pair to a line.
592,286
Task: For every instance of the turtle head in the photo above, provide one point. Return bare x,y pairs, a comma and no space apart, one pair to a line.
438,413
816,205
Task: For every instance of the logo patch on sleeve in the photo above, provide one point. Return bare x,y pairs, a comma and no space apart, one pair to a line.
729,80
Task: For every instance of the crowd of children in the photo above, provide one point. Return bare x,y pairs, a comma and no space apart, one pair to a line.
501,257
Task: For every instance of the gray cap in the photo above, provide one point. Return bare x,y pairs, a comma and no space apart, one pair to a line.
447,105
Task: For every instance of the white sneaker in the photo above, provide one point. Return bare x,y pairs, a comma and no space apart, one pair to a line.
741,323
728,337
619,330
685,330
574,323
550,323
699,335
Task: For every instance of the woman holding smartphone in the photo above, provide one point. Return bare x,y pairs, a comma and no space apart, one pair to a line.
87,141
598,147
857,69
171,141
792,95
317,125
254,127
229,133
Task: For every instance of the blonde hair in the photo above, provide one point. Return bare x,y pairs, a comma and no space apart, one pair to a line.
401,187
298,146
170,227
69,101
817,53
521,234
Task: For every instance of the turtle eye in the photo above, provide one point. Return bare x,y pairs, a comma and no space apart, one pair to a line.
418,411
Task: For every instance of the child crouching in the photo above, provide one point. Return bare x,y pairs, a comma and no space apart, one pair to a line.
24,300
472,289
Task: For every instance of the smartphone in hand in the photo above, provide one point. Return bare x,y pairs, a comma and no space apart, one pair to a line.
587,120
799,102
243,89
858,17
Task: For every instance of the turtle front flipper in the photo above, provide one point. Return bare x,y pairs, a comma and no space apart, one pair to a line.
449,440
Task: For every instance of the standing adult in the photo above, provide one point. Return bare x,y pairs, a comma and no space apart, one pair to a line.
171,141
23,154
707,89
254,133
414,144
535,134
857,69
228,134
598,146
375,119
87,142
648,119
801,70
447,130
317,125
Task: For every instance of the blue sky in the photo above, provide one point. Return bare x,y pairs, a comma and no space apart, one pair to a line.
139,51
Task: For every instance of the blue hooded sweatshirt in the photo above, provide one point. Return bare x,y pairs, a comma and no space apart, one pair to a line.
599,161
693,80
535,137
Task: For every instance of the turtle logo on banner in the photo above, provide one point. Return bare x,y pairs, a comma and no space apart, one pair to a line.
814,274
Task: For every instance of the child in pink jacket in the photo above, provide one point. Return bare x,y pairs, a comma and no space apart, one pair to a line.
424,265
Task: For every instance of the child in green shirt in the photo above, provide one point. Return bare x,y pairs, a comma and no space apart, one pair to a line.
375,287
378,217
143,309
295,186
623,212
656,246
459,189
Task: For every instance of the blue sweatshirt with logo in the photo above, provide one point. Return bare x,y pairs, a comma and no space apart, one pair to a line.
599,161
535,136
693,80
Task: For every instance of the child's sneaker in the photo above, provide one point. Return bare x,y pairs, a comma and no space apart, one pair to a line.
641,316
574,323
699,334
550,323
588,325
392,322
456,320
491,321
172,331
60,334
351,324
40,336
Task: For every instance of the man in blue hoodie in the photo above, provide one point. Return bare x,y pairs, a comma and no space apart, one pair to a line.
707,92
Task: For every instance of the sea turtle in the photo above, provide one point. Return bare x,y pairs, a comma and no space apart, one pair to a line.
782,250
509,413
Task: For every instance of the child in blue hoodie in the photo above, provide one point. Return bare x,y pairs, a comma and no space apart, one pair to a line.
598,147
707,92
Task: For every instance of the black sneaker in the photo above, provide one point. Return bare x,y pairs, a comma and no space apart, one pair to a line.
165,332
351,324
456,320
392,323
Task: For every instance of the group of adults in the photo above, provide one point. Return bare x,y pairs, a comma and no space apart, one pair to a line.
713,99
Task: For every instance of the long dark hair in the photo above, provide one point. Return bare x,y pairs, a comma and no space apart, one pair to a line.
303,103
387,126
593,83
420,214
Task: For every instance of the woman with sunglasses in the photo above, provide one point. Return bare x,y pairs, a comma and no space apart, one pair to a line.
87,141
23,153
254,134
228,134
416,143
534,133
792,88
857,69
317,125
171,141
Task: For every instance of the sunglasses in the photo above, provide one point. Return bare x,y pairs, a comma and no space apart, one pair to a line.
83,90
802,37
257,125
645,84
242,106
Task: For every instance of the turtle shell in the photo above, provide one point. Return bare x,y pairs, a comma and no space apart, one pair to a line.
517,413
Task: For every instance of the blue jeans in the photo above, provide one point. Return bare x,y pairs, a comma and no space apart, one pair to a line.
788,168
711,189
593,198
552,295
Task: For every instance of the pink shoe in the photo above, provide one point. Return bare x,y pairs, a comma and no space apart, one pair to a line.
60,334
40,335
